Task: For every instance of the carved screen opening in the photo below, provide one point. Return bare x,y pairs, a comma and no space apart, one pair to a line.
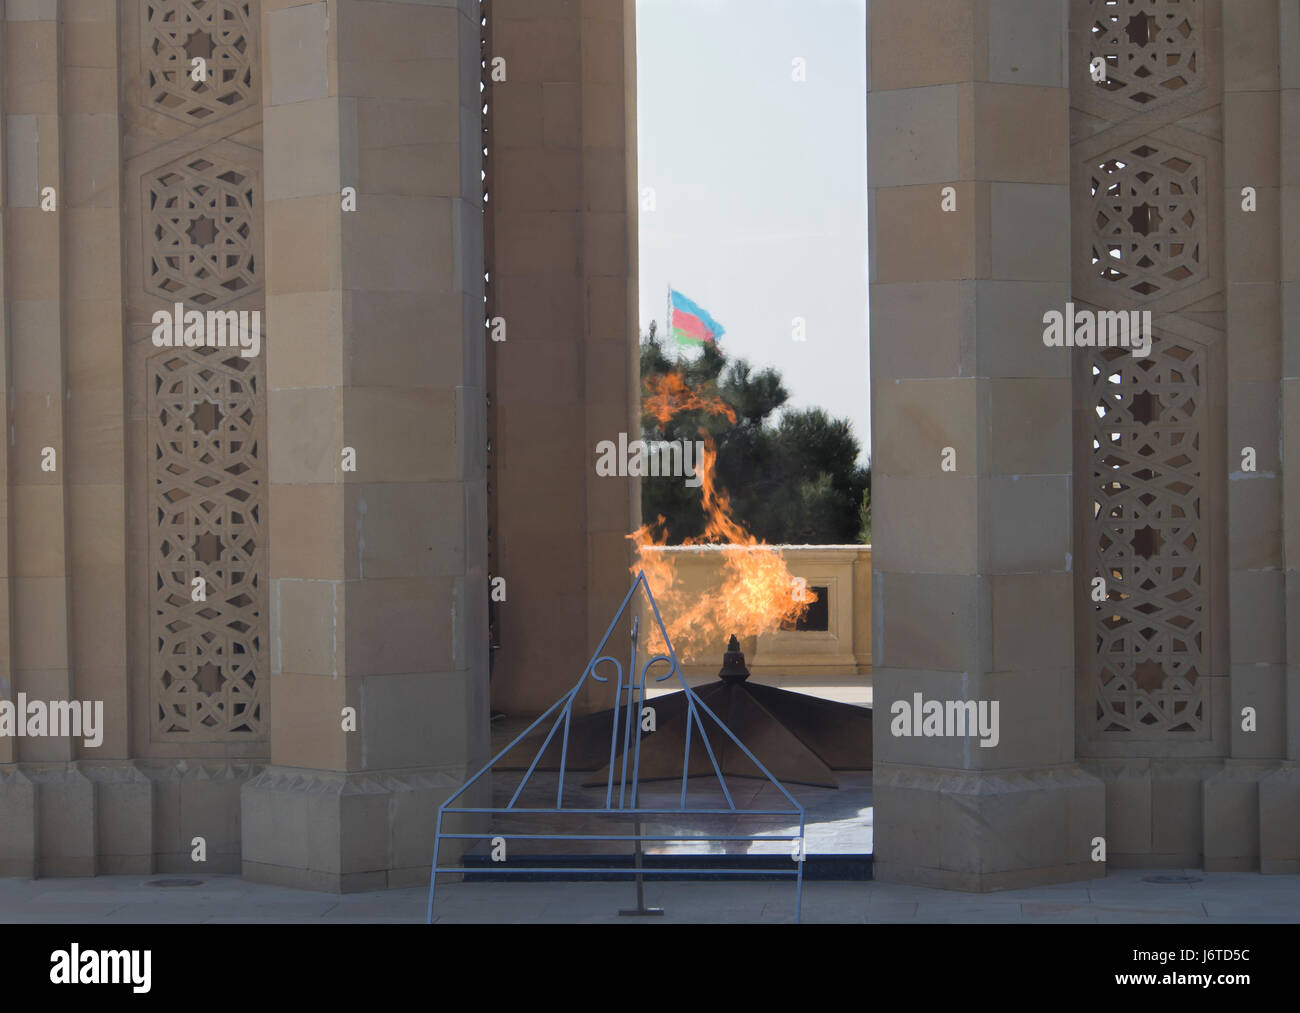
207,481
200,58
1147,218
1147,482
202,245
1147,233
1151,49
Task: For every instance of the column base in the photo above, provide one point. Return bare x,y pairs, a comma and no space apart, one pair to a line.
197,798
345,832
1154,809
1232,815
1279,821
120,817
979,832
17,823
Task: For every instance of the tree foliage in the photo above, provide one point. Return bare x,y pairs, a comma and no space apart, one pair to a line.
793,478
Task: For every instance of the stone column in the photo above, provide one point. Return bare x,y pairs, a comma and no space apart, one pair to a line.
1279,792
973,582
375,344
48,803
564,274
96,454
1257,635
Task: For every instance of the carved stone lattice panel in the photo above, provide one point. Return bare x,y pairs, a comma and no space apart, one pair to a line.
1147,482
207,482
1151,49
202,245
222,34
1148,219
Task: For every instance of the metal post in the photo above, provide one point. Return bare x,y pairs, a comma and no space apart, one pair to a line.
433,876
640,911
635,697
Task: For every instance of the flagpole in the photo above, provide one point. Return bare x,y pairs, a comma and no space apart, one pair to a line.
668,320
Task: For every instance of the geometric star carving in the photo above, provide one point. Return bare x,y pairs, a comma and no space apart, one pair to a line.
206,416
1146,542
202,231
208,548
1149,675
1144,219
199,46
1145,408
209,678
1141,29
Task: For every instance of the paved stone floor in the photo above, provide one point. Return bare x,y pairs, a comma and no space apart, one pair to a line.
1123,896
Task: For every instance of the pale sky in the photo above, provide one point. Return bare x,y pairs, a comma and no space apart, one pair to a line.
760,184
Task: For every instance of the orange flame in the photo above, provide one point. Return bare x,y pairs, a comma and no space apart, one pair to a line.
669,395
757,593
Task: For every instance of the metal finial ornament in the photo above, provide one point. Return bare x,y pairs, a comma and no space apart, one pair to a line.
733,663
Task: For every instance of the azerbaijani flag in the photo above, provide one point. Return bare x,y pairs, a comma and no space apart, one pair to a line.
691,325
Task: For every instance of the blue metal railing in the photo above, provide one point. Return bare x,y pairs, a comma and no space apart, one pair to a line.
628,793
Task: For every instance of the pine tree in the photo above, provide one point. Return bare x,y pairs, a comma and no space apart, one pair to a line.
794,480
